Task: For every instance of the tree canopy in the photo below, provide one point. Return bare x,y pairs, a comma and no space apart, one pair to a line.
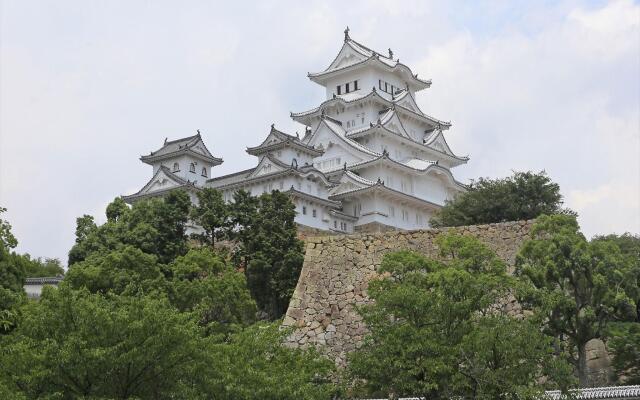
573,285
139,316
154,226
12,275
436,333
523,196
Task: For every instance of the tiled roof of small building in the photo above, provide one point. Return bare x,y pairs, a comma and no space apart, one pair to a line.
51,280
610,392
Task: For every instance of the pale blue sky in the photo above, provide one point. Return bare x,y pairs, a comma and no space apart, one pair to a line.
88,86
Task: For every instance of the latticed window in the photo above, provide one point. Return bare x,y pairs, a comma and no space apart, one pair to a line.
176,167
204,172
192,168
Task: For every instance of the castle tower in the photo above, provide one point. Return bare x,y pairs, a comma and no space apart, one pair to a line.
369,158
390,161
184,163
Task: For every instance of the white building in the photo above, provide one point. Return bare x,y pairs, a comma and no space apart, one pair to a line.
370,159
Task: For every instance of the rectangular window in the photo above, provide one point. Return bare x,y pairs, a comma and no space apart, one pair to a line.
386,87
393,90
380,84
355,85
314,213
304,210
339,89
392,212
335,224
346,90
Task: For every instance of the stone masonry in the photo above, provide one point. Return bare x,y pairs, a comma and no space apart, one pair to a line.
337,271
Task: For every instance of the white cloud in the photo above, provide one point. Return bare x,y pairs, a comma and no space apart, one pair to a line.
86,88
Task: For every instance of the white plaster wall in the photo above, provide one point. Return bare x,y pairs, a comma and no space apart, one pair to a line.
385,211
287,155
365,77
332,153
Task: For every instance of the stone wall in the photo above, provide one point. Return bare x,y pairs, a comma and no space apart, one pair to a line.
337,270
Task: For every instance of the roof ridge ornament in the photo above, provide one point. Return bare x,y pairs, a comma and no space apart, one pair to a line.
198,130
165,141
390,53
346,34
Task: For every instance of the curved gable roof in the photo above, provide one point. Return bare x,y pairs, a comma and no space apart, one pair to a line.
339,132
353,54
193,145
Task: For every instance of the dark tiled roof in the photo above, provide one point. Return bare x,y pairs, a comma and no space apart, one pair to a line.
610,392
51,280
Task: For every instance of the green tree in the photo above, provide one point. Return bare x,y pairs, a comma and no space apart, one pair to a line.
170,222
258,366
155,226
200,281
436,330
12,275
73,344
117,209
568,284
7,240
125,270
624,342
628,276
623,337
37,267
243,215
211,214
273,253
523,196
203,282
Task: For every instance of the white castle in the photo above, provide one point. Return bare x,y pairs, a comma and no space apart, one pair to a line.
369,159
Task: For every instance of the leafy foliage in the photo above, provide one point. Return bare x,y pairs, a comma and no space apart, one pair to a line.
73,344
154,226
273,253
435,330
37,267
624,343
624,336
258,366
203,282
12,275
124,270
212,214
523,196
569,285
263,228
